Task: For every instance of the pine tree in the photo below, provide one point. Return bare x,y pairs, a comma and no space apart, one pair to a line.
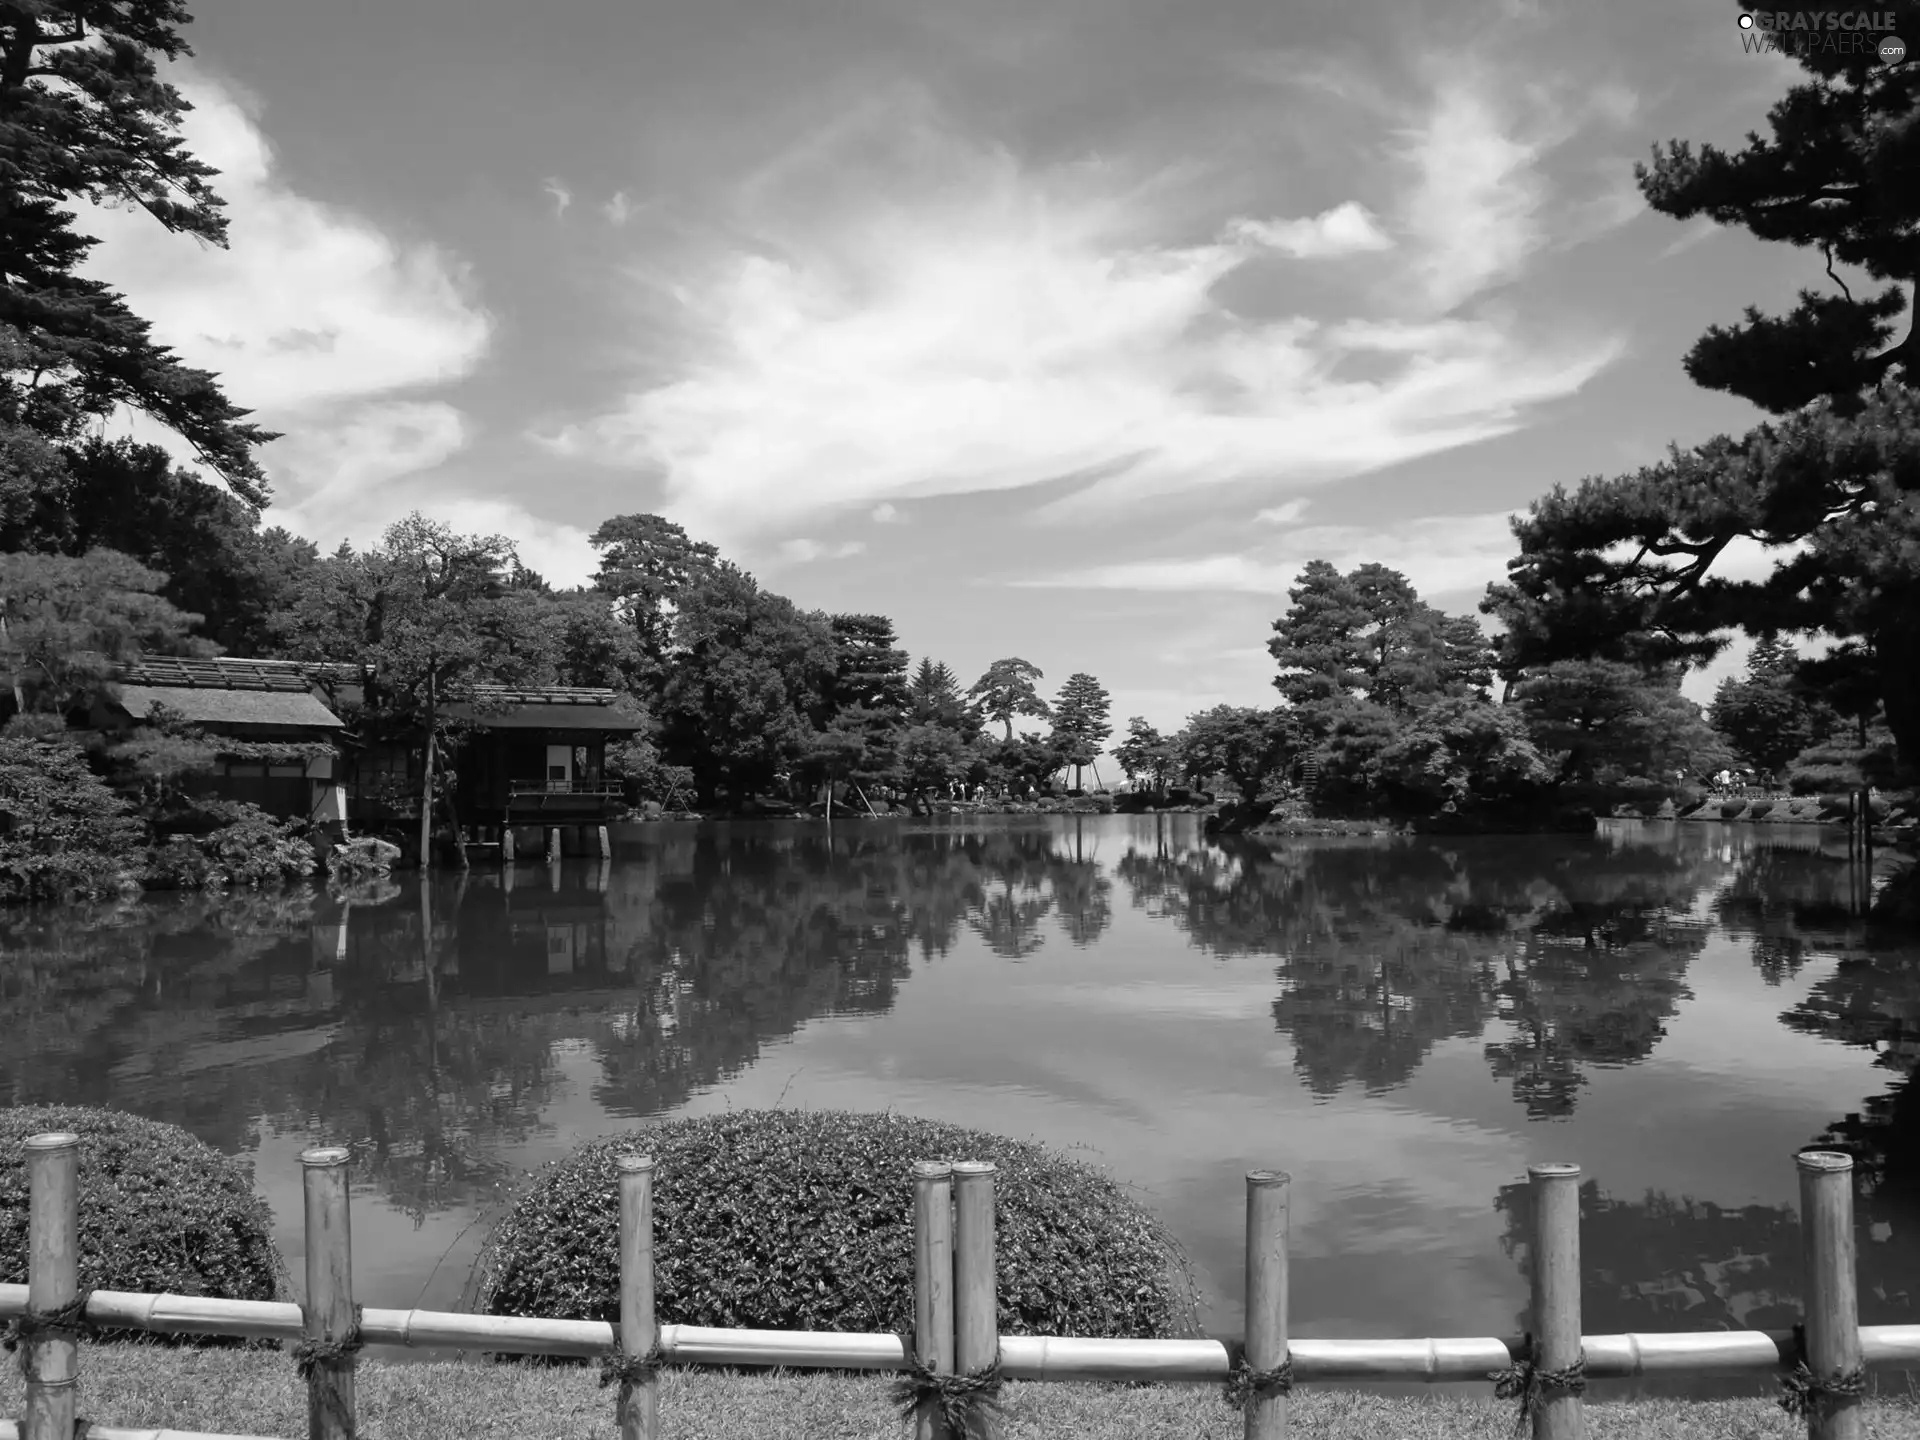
1080,725
84,115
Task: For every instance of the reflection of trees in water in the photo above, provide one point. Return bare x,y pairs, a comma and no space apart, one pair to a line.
1874,1003
1677,1263
1389,947
1672,1263
1789,902
432,1027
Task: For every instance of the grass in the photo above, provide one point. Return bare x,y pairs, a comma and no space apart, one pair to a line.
239,1392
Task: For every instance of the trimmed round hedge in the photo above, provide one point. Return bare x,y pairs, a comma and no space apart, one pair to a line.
159,1209
802,1220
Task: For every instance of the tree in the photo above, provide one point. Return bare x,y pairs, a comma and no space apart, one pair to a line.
1611,723
1252,748
934,697
1146,754
132,498
1624,568
930,757
1007,690
748,673
63,832
1080,725
647,564
1835,176
1368,633
1766,717
865,702
583,642
1458,753
66,623
84,115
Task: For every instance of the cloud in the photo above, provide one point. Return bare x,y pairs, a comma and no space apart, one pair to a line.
1694,233
886,513
1440,554
1285,514
1347,229
802,551
324,326
562,196
917,315
618,209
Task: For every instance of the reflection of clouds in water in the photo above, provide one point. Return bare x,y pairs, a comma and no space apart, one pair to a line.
1364,1015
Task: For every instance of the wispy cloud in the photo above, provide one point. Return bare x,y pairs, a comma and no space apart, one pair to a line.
618,209
562,196
1285,514
1347,229
802,551
887,513
1441,554
920,315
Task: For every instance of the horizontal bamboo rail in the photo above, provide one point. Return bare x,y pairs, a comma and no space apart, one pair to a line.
1023,1357
953,1280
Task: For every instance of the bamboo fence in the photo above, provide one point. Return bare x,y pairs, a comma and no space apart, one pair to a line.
955,1316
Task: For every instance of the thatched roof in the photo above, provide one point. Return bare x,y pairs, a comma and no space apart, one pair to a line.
276,708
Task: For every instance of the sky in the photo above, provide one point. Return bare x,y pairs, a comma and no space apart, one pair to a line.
1050,328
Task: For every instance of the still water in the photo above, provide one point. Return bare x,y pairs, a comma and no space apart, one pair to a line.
1402,1024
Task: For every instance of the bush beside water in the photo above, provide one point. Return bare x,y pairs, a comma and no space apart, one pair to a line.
159,1209
802,1220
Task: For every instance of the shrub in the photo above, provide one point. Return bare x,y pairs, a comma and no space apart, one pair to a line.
248,847
1731,809
1759,809
159,1209
64,834
802,1220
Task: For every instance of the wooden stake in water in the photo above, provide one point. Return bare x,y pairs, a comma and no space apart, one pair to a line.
976,1309
328,1311
53,1280
639,1404
1266,1415
1832,1305
932,1282
1558,1414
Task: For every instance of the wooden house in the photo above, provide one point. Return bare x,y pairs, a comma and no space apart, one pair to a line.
538,757
268,707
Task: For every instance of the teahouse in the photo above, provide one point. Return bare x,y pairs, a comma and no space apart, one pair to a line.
269,712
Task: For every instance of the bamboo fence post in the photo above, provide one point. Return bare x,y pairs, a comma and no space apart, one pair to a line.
1558,1413
976,1310
639,1406
53,1280
1832,1305
328,1313
1266,1298
932,1282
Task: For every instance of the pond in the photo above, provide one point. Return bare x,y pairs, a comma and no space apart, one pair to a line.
1403,1025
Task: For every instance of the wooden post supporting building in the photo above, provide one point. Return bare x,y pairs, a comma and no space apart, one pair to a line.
51,1360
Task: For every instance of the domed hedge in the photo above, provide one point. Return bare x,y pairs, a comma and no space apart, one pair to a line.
802,1220
159,1210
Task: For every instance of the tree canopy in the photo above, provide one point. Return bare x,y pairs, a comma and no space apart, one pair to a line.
85,116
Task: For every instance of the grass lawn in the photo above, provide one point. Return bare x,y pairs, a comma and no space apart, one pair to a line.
240,1392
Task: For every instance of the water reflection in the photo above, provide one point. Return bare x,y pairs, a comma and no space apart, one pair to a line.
458,1031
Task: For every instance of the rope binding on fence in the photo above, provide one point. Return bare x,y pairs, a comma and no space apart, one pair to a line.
1526,1382
1802,1393
968,1404
617,1367
312,1356
1246,1384
68,1320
